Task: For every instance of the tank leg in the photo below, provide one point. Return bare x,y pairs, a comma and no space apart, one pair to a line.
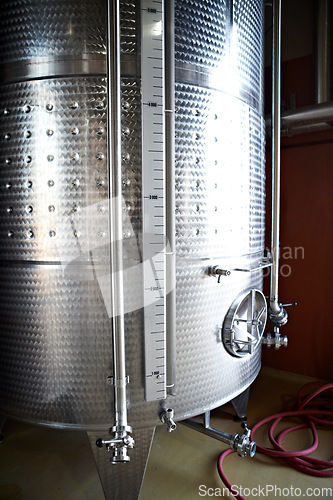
123,480
240,405
2,423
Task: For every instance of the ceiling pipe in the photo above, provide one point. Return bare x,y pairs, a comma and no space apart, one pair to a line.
317,117
306,119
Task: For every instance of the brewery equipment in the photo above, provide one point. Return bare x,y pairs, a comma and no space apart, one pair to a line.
132,216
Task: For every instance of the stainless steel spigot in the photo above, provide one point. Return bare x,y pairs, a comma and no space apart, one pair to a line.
167,419
216,271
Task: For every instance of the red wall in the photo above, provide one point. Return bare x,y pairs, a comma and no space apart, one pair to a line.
306,238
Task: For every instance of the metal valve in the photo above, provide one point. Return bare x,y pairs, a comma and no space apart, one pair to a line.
216,271
277,341
119,444
167,419
280,317
243,444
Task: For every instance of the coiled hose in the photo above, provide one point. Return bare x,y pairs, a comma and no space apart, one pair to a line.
316,415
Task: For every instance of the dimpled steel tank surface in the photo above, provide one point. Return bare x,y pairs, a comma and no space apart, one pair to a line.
56,356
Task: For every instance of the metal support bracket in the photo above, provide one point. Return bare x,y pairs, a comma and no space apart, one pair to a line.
217,271
242,444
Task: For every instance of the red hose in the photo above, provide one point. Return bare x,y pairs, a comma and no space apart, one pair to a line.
311,417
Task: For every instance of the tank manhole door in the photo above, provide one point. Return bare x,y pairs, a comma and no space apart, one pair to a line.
244,323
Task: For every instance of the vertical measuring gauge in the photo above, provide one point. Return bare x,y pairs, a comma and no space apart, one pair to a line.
153,197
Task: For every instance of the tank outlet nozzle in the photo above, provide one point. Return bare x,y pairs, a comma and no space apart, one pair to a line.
167,419
216,271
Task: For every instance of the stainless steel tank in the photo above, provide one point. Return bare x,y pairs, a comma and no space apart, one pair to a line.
56,329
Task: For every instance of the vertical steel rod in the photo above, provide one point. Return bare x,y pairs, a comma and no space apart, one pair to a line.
323,51
275,308
170,193
116,227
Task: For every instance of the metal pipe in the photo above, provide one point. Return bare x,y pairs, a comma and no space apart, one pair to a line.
242,444
318,113
314,118
306,116
120,427
306,129
277,313
323,51
170,194
309,114
209,431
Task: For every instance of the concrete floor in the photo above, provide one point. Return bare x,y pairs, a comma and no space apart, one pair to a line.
38,463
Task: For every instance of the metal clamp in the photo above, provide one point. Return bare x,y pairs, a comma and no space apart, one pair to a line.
279,316
243,444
